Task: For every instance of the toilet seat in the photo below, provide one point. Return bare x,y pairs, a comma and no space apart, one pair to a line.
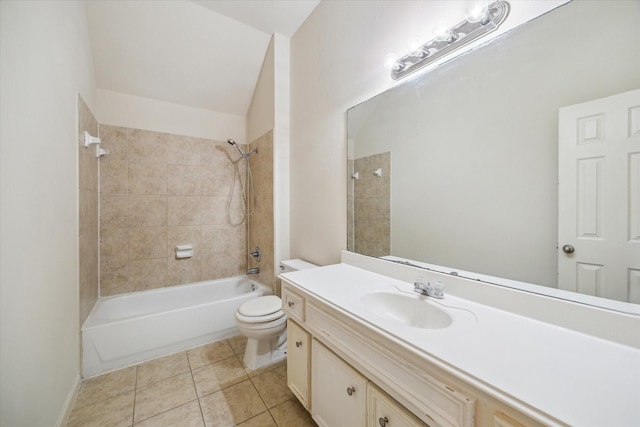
260,310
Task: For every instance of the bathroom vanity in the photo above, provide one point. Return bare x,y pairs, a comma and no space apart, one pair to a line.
366,350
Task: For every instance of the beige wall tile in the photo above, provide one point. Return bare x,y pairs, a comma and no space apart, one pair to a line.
114,139
147,242
148,274
147,177
175,181
181,271
114,176
114,210
147,146
88,201
183,180
147,210
114,245
183,150
114,278
88,266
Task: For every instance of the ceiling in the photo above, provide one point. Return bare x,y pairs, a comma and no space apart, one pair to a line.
203,53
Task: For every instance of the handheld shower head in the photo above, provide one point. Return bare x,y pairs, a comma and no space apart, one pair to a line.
233,142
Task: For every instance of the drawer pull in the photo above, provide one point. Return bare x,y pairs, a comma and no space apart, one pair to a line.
351,390
383,421
290,303
298,343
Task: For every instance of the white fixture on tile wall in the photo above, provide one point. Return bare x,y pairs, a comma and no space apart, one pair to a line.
184,251
91,140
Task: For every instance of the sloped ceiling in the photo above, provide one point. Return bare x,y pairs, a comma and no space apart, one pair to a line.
204,54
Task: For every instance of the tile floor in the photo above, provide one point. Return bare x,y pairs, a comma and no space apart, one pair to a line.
206,386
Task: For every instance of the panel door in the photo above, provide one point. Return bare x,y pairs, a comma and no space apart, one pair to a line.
298,361
599,197
338,392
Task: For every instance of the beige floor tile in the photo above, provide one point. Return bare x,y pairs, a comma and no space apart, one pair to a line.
272,386
209,353
162,368
104,386
112,412
188,415
263,420
292,414
257,372
164,395
232,405
239,344
219,375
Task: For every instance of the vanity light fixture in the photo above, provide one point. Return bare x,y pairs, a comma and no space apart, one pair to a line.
480,20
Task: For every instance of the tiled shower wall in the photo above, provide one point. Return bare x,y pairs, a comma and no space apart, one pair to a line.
160,190
372,205
88,212
261,228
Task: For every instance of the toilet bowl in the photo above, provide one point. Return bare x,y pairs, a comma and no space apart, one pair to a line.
264,324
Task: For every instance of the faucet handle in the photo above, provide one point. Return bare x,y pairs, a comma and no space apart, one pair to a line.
419,284
435,289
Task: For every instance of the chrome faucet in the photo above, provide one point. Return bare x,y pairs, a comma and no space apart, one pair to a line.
253,270
432,289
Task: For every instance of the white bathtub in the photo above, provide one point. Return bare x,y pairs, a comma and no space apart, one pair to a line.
127,329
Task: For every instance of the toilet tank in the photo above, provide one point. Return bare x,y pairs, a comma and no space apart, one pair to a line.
294,265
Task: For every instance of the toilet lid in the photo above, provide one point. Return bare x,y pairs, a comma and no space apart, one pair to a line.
261,306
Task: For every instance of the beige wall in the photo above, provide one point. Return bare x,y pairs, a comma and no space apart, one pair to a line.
45,61
159,190
88,211
120,109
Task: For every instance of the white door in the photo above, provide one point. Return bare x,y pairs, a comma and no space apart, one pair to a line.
599,197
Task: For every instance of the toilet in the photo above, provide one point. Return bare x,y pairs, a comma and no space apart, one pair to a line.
264,324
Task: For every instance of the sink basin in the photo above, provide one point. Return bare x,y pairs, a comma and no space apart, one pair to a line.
410,310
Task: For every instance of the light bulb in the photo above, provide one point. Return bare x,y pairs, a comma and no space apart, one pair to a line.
391,62
478,12
443,33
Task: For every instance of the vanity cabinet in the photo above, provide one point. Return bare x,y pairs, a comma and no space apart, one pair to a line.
339,392
347,374
298,361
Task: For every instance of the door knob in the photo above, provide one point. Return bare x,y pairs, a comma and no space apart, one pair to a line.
351,390
383,421
298,343
568,249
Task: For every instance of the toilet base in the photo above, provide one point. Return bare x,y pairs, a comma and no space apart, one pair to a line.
264,352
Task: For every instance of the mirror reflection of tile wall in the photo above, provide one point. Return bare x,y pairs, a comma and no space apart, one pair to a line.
160,190
372,205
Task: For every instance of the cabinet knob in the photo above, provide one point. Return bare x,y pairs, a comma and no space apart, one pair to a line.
298,343
383,421
290,303
351,390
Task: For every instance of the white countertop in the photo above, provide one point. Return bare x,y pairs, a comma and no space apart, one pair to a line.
573,377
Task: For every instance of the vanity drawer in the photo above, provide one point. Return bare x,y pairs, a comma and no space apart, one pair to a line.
293,304
384,411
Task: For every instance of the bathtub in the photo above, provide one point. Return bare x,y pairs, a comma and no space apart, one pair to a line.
127,329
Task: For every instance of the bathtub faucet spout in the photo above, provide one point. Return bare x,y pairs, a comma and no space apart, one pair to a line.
253,271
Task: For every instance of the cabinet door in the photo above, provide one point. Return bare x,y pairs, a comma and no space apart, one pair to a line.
384,411
338,392
298,361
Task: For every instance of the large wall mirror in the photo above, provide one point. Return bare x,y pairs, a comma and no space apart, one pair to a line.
459,169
